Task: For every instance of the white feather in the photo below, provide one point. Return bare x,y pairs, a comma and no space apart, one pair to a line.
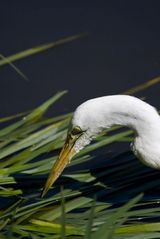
95,115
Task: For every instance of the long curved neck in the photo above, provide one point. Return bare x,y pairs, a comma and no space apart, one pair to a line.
104,112
131,112
97,114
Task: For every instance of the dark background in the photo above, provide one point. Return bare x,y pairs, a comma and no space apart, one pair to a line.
122,49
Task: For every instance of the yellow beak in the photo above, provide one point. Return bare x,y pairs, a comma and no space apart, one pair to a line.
64,158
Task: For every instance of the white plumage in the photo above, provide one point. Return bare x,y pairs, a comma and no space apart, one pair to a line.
95,115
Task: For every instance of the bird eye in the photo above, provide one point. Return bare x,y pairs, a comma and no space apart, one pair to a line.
76,130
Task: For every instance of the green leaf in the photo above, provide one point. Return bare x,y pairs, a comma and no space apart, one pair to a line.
142,86
107,229
39,49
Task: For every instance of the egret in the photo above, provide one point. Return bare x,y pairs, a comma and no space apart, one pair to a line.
95,115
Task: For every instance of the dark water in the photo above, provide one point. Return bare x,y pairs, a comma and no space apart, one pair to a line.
122,50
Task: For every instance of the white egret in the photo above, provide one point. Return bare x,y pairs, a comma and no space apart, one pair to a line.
95,115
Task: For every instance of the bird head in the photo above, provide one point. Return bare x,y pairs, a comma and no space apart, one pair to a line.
81,131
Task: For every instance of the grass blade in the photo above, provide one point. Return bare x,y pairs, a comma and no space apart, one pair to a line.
39,49
143,86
